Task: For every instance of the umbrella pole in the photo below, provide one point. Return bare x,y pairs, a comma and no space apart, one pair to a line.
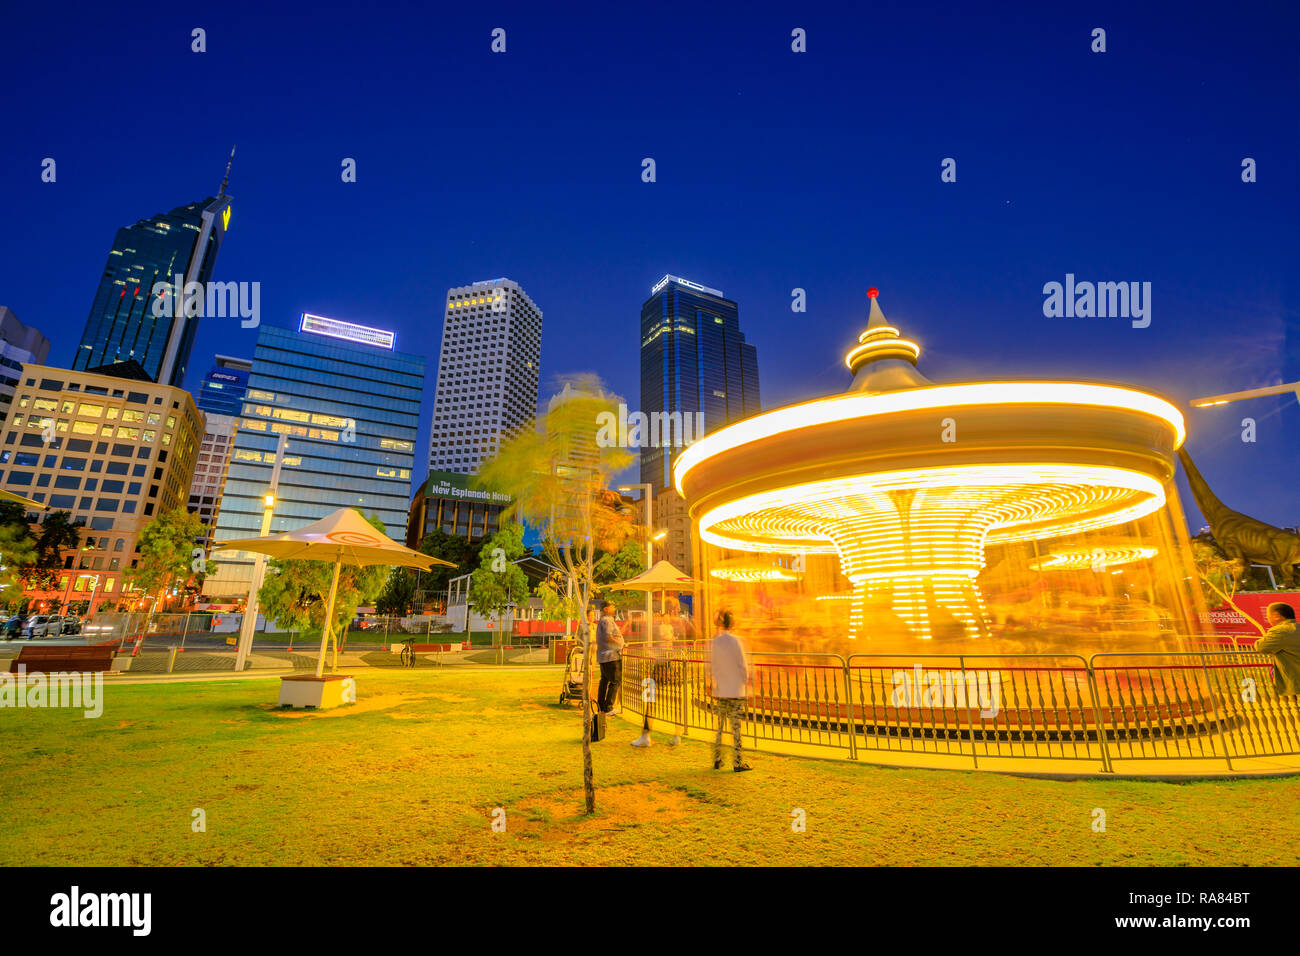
329,617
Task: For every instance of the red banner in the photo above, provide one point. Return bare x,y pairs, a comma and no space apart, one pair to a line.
1234,621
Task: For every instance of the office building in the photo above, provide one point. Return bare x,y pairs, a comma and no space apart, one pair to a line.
122,324
19,345
112,453
349,404
223,388
211,467
695,365
487,373
221,399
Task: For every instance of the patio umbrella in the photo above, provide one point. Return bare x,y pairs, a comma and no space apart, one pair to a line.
341,538
662,578
34,505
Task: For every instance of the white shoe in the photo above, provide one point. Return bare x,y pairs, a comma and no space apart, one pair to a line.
642,741
674,741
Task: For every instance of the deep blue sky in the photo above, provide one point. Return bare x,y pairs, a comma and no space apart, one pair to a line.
775,170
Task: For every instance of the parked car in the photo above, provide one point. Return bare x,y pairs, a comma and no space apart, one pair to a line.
35,626
71,625
54,626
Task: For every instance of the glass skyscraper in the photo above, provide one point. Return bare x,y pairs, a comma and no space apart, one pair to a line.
223,388
350,406
122,325
694,360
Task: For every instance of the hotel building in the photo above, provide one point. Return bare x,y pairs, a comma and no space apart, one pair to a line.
487,373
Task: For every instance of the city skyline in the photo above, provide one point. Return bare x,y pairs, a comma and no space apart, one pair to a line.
794,200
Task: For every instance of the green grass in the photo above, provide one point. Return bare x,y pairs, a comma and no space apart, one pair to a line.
413,772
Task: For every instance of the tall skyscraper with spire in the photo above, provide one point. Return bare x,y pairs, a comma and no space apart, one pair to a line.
122,326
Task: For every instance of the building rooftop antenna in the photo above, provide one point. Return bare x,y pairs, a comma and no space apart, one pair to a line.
226,180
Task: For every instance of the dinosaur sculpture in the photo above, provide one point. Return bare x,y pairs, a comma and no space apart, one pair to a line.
1243,539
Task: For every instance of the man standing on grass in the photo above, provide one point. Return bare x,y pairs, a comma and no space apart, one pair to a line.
1282,643
609,654
730,677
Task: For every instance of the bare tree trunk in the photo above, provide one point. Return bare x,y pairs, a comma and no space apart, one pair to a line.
588,781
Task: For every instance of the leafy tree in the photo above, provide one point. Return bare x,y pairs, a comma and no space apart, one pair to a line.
559,474
498,582
1219,575
625,563
166,548
17,551
295,592
56,535
398,592
557,603
449,547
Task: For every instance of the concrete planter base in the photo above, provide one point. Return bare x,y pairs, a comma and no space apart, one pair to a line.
320,693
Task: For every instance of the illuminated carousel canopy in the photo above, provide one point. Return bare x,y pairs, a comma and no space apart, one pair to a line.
907,481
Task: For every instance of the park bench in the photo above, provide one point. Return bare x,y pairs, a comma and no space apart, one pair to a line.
58,660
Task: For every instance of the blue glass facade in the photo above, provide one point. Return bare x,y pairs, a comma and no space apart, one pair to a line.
223,389
350,412
121,324
694,359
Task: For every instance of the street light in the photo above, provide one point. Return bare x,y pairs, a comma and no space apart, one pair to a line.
647,495
249,622
1249,393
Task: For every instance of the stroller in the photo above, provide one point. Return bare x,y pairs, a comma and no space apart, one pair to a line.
575,669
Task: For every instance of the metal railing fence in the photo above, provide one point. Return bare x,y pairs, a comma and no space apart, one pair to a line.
1108,713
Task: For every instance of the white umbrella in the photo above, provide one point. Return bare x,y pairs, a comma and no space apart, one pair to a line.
34,505
342,538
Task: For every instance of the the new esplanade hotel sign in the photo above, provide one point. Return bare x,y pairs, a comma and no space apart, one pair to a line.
347,331
446,484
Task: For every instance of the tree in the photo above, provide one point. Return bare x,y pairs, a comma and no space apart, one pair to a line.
449,547
557,603
498,582
295,592
559,473
17,551
57,534
398,592
1219,575
166,549
625,563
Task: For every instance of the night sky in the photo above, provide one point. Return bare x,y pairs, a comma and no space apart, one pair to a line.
776,170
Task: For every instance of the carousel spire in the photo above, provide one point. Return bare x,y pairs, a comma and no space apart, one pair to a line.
883,360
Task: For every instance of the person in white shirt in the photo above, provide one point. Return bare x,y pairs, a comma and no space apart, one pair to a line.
730,676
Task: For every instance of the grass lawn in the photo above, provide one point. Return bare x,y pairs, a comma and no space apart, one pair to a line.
411,775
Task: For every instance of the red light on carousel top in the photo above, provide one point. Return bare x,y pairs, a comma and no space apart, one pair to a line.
872,292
